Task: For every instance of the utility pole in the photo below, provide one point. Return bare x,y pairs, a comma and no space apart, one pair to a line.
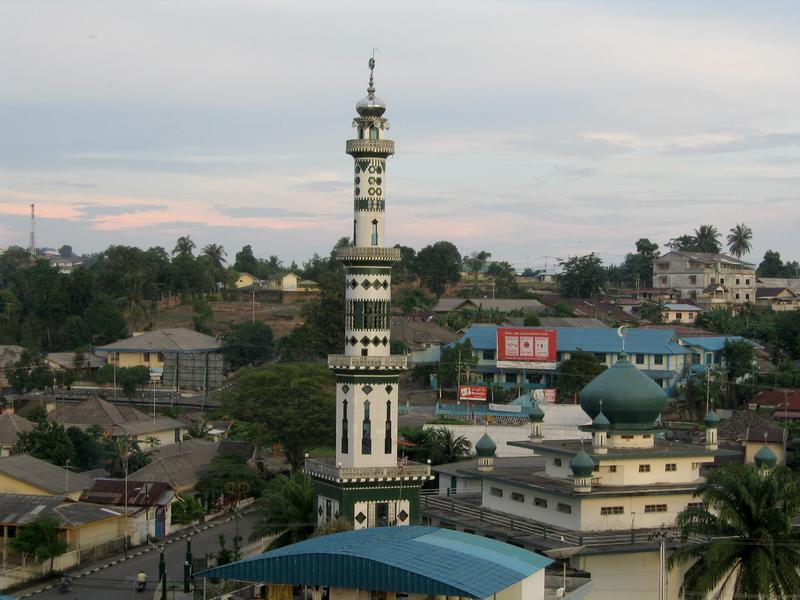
162,575
253,305
187,566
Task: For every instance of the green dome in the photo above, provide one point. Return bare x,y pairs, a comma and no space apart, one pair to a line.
765,457
485,446
630,399
582,465
600,422
711,419
535,413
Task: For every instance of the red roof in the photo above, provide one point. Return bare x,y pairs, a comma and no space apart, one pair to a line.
780,398
773,435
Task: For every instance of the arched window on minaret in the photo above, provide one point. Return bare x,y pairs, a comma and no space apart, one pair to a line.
344,427
374,232
373,133
387,447
366,431
354,232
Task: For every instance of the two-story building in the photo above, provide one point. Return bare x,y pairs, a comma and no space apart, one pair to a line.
707,278
680,313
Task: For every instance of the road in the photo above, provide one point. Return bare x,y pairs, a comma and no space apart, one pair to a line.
117,581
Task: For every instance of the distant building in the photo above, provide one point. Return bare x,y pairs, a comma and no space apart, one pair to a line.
247,280
11,425
777,298
150,505
179,465
503,305
89,361
707,278
24,474
176,356
757,437
9,355
680,313
424,339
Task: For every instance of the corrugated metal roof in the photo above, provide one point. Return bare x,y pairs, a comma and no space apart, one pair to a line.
173,339
43,475
413,560
713,343
606,340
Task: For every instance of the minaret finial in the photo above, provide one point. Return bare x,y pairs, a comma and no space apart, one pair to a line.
371,88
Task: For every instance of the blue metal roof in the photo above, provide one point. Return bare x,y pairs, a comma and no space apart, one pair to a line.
599,339
713,343
412,559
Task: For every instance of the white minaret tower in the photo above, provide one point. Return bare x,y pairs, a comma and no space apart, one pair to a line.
367,375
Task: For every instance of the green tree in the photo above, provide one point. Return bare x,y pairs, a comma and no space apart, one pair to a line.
202,315
475,261
504,277
771,265
222,471
403,270
651,311
89,450
247,344
295,403
637,269
455,356
739,356
577,371
582,276
446,447
136,308
48,441
184,246
742,535
288,509
65,251
739,240
246,261
706,239
104,320
187,510
410,300
40,538
682,242
438,265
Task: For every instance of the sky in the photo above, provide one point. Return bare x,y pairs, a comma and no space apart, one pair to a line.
535,130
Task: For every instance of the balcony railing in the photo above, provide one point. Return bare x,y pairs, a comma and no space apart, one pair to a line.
367,253
342,361
382,147
327,470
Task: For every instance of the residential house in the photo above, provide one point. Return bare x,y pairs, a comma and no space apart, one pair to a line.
785,401
656,352
502,305
707,278
708,350
657,294
24,474
680,313
793,283
117,420
11,425
150,503
424,339
180,465
777,298
9,355
176,356
247,280
88,362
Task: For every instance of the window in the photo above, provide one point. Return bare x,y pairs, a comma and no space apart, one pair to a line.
558,356
737,296
747,282
662,280
496,492
640,359
747,296
658,359
541,502
557,462
694,505
387,444
366,431
737,281
488,355
511,378
564,508
627,437
345,441
160,356
382,514
663,266
517,497
373,133
655,508
146,357
692,278
670,467
374,232
722,280
612,510
709,358
644,468
612,468
678,316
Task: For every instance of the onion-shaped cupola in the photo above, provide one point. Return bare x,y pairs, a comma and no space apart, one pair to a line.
485,446
371,105
765,458
628,398
711,420
535,413
582,464
600,422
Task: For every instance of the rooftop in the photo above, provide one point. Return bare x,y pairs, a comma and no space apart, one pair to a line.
411,559
504,305
20,509
683,307
42,474
139,493
713,343
117,418
173,339
179,465
11,425
708,258
661,448
418,333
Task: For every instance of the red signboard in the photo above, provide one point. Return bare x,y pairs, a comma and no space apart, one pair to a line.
476,393
550,395
526,345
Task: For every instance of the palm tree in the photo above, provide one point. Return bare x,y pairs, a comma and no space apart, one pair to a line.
288,504
706,239
742,535
446,447
184,246
216,255
739,240
135,307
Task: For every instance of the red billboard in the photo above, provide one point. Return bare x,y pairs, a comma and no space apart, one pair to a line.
526,345
476,393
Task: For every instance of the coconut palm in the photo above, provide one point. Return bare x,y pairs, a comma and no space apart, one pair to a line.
706,239
216,255
739,240
741,538
446,447
184,246
288,503
135,306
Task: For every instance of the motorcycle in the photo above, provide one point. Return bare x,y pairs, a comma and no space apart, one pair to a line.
64,584
140,585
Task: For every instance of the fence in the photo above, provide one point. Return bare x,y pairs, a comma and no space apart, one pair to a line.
31,571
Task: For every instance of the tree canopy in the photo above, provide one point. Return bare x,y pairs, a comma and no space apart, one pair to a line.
438,265
247,344
577,371
582,276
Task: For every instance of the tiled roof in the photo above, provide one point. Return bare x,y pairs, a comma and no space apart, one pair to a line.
418,333
140,493
42,474
502,304
174,339
772,292
708,257
179,464
774,435
116,418
683,307
10,427
714,343
20,509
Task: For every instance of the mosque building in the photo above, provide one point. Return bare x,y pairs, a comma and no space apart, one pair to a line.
365,483
606,505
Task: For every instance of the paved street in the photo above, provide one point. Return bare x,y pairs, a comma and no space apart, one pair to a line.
117,581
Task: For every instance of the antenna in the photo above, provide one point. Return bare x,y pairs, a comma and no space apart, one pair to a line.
32,239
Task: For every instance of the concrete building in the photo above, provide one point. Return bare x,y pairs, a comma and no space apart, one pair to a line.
708,279
246,280
680,313
392,563
777,298
365,482
24,474
424,339
11,425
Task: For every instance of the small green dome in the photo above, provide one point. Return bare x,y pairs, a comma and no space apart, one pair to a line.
711,419
485,446
535,413
627,397
582,465
600,422
765,457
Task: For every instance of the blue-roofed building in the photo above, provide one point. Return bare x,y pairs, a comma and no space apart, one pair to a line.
707,350
395,562
656,352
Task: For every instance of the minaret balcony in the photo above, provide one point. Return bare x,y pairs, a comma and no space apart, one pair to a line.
324,468
395,362
365,147
357,254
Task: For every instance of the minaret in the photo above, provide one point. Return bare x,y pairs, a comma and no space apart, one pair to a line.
367,375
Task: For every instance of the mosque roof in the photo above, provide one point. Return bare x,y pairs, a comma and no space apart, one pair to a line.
411,559
485,446
765,457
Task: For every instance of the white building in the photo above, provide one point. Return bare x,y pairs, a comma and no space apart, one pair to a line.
708,278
